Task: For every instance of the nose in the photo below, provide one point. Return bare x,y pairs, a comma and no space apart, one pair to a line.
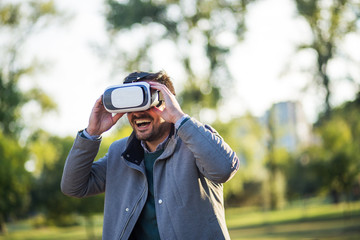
139,114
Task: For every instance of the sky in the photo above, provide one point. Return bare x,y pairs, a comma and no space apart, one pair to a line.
76,76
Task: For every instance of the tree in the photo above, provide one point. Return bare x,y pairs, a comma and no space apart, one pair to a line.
46,195
330,22
14,180
200,32
245,135
277,158
51,152
334,162
17,22
302,177
340,135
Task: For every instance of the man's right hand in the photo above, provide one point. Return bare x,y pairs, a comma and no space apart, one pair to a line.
101,120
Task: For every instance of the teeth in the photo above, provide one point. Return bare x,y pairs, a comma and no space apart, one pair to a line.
141,121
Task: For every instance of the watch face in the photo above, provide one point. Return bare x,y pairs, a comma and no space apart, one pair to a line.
130,97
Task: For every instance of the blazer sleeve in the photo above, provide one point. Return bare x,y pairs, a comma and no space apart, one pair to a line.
214,157
81,175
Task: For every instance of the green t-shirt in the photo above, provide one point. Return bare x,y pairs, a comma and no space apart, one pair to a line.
146,226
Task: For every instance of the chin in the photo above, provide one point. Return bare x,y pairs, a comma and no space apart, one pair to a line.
142,137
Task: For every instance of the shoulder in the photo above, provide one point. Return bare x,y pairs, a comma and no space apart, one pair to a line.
192,125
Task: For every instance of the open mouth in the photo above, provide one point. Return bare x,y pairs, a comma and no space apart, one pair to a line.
143,123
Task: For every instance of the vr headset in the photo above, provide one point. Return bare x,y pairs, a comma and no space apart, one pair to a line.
132,96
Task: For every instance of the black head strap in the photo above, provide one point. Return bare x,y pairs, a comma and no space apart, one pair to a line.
136,76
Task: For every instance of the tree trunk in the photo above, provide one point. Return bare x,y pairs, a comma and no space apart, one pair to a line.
3,230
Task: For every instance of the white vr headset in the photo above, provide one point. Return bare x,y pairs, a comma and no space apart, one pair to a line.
130,97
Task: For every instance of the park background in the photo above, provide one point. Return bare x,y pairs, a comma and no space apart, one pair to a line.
279,79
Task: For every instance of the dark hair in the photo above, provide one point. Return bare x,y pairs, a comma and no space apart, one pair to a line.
160,77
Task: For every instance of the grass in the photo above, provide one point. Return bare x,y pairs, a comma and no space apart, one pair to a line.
24,230
311,221
327,221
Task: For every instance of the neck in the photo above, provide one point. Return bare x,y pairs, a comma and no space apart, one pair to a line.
152,145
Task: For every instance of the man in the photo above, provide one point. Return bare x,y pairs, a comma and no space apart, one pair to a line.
164,181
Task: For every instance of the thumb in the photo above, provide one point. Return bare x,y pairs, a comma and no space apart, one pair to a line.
117,116
157,111
163,113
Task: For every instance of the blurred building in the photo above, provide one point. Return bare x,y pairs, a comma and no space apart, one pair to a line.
288,126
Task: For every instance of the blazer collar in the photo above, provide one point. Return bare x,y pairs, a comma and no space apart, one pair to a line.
134,152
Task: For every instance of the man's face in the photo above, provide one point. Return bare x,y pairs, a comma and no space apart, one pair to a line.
148,126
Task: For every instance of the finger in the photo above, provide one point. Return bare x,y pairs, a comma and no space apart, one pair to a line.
156,110
161,113
98,103
117,116
167,95
101,100
159,86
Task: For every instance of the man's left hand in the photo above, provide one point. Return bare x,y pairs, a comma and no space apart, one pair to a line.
171,112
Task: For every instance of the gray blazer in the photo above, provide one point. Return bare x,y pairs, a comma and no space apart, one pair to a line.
188,179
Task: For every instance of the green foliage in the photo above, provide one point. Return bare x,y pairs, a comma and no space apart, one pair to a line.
9,14
18,21
332,166
302,180
245,136
10,101
342,150
14,180
49,155
187,25
27,14
137,11
51,152
336,134
330,22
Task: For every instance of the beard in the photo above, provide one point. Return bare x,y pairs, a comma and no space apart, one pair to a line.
156,131
154,135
